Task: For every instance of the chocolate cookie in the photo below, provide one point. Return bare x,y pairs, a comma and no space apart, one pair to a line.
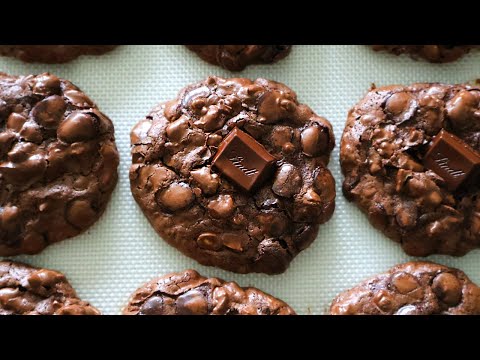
237,57
432,53
413,288
25,290
58,162
52,54
189,293
233,173
411,158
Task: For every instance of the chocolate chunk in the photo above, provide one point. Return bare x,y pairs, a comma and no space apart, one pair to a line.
452,159
243,160
189,293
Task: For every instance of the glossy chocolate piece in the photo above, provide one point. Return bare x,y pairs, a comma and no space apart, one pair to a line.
243,160
452,159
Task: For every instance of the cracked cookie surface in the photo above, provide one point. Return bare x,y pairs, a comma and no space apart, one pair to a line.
52,54
383,147
237,57
432,53
205,215
413,288
26,290
189,293
58,162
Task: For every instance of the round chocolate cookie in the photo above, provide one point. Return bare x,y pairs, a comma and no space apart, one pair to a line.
411,160
25,290
237,57
233,173
413,288
432,53
58,162
189,293
52,54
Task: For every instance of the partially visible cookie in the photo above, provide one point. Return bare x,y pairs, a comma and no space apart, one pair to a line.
413,288
52,54
237,57
432,53
411,160
26,290
189,293
234,174
58,162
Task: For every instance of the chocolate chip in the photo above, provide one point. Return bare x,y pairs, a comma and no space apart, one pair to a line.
447,288
288,181
209,241
49,112
404,282
207,181
222,207
315,140
193,302
177,196
47,84
76,127
80,213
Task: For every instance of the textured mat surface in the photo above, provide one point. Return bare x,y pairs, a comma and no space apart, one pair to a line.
122,251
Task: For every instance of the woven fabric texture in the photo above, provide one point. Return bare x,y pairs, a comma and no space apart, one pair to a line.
122,251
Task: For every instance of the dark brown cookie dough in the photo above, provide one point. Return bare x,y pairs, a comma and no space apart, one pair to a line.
198,209
413,288
52,54
383,153
189,293
25,290
432,53
237,57
58,162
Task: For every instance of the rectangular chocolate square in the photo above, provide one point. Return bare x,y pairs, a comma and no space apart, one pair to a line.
452,159
243,160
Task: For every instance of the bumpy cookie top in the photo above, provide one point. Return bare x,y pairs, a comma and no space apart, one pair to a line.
432,53
237,57
383,158
25,290
197,207
414,288
189,293
58,162
52,54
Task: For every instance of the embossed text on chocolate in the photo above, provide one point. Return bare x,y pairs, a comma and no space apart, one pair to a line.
238,161
443,163
244,161
452,159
